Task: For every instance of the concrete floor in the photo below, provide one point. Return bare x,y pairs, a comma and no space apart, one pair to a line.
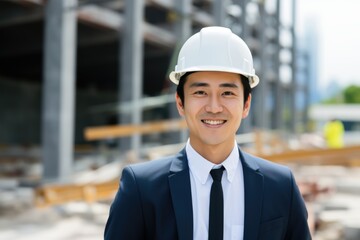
75,221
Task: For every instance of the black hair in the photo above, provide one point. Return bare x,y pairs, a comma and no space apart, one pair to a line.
180,87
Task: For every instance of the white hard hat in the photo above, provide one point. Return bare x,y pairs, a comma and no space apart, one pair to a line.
215,49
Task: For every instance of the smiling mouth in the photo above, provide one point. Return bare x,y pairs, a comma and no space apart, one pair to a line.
214,122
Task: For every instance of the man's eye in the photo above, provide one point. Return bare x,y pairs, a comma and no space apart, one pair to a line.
200,93
228,93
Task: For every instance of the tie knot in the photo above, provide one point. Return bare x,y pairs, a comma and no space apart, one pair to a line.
216,174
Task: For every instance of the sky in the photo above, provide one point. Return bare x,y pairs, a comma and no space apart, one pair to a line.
338,26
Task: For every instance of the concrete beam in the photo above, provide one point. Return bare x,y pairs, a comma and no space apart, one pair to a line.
198,16
29,2
20,17
100,17
157,36
202,18
113,20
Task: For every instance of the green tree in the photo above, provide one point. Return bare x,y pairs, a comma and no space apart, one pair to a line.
352,94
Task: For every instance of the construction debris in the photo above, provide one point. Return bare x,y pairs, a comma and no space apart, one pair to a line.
329,181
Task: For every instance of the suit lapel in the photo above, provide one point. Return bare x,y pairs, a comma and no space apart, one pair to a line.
253,183
179,181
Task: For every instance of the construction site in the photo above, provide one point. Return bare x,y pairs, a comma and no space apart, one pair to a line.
84,91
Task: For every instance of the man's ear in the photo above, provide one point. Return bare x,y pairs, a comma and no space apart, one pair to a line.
179,105
247,106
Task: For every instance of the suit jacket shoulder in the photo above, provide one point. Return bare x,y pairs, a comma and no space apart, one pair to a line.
145,199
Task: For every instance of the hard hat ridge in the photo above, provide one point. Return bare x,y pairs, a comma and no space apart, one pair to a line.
215,49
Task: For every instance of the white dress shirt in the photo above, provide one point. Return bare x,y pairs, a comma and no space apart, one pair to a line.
233,189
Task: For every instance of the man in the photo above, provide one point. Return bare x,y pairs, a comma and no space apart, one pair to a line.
172,198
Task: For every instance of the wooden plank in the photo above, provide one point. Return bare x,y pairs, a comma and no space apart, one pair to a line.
59,194
115,131
340,156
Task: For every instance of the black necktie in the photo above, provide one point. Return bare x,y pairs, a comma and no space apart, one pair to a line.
216,210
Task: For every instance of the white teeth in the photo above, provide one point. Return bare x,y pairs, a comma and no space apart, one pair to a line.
213,122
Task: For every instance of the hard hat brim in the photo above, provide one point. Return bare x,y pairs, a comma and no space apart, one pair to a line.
175,76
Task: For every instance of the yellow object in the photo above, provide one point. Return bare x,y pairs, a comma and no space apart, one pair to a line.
333,133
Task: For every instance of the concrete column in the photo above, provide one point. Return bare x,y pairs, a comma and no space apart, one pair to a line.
183,31
307,95
246,124
293,87
59,89
244,26
261,118
219,10
131,60
183,23
278,93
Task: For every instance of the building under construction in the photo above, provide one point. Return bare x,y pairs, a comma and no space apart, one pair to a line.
67,65
77,73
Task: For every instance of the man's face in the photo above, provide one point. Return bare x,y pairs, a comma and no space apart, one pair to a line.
214,107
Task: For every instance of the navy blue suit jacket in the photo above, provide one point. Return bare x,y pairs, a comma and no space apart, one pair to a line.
154,202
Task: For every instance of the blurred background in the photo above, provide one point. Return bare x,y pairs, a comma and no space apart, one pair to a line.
84,91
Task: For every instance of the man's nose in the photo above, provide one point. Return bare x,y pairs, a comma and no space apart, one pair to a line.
214,105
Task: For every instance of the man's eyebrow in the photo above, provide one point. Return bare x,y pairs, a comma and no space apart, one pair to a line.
199,84
229,85
222,85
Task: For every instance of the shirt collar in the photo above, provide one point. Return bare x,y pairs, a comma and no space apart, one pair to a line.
201,167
